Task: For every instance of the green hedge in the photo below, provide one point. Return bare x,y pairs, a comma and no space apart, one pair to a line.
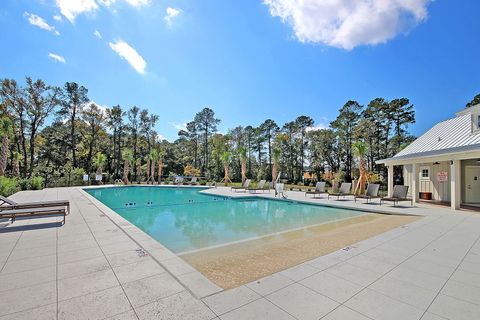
9,186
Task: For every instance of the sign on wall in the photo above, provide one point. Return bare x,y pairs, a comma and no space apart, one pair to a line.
442,176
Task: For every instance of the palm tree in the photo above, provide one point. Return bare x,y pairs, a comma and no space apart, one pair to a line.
276,161
127,156
153,156
360,149
138,165
225,157
5,131
161,154
99,161
16,156
147,170
242,152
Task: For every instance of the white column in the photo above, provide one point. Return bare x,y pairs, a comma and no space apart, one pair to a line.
390,180
414,185
455,185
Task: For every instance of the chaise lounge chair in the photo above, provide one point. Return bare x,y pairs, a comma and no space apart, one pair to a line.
260,186
178,180
399,194
9,204
319,189
34,212
370,193
193,182
212,184
243,187
343,191
11,209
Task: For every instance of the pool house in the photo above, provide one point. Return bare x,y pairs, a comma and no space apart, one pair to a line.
443,165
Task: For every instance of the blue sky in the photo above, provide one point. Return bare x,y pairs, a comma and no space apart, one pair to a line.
249,60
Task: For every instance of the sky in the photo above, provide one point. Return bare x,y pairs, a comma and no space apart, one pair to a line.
249,60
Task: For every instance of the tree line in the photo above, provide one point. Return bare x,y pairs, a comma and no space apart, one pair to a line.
59,134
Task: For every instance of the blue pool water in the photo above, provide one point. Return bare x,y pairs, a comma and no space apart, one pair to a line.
183,219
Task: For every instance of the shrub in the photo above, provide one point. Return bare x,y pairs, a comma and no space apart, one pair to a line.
8,186
328,176
24,184
340,176
191,171
36,183
374,177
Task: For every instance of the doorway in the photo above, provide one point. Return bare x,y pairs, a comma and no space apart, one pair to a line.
472,185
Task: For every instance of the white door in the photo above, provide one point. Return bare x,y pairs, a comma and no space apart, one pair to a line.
472,184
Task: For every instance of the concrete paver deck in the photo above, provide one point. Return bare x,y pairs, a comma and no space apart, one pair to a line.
99,266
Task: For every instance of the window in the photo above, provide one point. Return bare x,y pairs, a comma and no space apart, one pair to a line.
476,122
424,173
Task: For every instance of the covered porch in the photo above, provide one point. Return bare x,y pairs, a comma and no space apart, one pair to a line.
452,179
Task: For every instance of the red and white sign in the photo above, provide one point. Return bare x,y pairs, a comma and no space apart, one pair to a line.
442,176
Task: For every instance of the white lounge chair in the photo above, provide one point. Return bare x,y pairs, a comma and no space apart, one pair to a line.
344,190
279,190
319,189
243,187
370,193
399,194
260,186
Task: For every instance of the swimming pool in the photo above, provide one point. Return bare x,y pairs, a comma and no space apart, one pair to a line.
183,219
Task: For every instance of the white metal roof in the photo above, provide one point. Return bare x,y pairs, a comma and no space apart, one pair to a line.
449,136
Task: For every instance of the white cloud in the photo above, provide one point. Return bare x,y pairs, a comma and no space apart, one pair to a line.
56,57
107,3
57,17
349,23
138,3
171,13
103,107
135,3
317,127
180,126
128,53
97,34
40,22
161,137
70,9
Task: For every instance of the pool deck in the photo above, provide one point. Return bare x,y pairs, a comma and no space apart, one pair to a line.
99,266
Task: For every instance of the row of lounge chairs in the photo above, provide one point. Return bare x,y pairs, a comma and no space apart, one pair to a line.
11,210
399,193
262,186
